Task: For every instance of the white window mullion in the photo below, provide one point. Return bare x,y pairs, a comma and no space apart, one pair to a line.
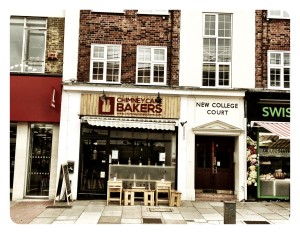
105,64
24,47
152,73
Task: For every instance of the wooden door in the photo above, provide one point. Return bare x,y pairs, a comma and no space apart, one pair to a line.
214,168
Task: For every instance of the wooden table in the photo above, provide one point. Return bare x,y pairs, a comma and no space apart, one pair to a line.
131,192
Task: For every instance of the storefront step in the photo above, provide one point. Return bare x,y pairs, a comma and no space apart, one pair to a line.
200,196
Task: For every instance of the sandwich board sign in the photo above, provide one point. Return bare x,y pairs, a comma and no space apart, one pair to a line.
64,184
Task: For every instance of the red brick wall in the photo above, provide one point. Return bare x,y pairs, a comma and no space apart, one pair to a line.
129,29
271,34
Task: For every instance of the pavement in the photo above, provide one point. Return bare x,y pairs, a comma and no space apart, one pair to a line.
190,212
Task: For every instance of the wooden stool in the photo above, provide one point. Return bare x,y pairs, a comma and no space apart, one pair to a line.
162,187
175,199
114,187
148,201
127,193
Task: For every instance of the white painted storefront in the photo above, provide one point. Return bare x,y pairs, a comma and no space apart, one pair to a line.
211,115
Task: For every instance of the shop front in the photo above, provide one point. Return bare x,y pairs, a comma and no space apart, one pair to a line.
214,137
34,127
128,137
268,154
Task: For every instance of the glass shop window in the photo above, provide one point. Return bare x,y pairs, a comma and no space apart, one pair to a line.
38,174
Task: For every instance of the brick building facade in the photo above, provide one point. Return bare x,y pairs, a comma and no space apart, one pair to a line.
129,29
271,34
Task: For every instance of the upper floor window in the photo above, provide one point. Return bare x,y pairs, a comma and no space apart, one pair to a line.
27,44
278,70
151,65
154,12
217,33
278,14
105,63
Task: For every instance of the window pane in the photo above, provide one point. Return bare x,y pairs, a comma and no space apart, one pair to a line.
112,71
286,59
209,75
224,75
204,159
210,25
144,54
144,72
36,45
36,23
16,45
159,55
275,77
98,70
224,50
113,52
32,66
209,49
224,25
159,71
285,14
286,79
275,58
98,52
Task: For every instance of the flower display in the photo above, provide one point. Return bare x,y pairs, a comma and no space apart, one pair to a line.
252,162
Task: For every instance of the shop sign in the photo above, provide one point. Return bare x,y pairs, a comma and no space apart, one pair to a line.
268,106
130,106
217,108
274,152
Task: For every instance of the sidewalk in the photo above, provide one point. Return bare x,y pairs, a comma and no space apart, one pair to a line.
190,212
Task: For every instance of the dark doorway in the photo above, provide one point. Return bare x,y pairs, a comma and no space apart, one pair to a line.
214,167
93,163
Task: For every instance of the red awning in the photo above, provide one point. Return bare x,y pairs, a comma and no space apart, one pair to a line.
281,129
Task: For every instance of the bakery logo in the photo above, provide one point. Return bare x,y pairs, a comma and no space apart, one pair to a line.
107,106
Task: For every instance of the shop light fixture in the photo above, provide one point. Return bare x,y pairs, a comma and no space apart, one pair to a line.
103,97
158,99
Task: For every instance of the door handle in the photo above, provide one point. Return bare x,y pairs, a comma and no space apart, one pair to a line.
214,169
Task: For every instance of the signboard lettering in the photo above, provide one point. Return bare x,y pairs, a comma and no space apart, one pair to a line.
218,108
271,111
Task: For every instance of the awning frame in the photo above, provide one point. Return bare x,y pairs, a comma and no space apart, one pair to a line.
281,129
123,122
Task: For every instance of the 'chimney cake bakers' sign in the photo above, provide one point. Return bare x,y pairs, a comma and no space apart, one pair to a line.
130,106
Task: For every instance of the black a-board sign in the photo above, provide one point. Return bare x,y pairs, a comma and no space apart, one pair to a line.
64,180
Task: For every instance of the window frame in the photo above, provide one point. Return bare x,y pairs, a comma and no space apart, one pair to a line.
27,29
153,12
152,63
280,67
105,61
281,14
216,57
